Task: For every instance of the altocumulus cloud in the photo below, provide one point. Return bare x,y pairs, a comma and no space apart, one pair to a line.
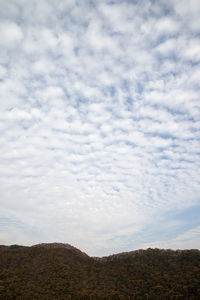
99,123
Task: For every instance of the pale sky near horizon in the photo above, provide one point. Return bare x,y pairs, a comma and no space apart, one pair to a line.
100,124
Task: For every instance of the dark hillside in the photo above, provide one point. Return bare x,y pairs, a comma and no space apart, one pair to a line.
60,271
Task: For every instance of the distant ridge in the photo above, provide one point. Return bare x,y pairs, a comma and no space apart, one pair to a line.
59,246
55,245
133,253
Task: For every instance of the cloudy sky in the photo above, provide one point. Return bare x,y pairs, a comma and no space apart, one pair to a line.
100,123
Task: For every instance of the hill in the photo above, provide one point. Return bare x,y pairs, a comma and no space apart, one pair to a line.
61,271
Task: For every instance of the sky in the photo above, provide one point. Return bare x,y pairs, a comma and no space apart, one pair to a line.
100,124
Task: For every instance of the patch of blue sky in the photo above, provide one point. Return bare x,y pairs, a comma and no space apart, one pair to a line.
170,226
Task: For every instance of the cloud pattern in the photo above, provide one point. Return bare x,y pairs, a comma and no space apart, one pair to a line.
99,122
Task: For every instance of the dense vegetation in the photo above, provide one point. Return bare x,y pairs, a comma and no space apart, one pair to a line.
58,272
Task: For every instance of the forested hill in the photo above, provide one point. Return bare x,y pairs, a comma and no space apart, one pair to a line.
61,271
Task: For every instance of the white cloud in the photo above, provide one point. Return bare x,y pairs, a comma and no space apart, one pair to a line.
168,47
167,25
10,33
3,72
189,12
192,50
99,120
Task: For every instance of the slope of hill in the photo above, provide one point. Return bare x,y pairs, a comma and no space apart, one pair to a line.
58,246
61,271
